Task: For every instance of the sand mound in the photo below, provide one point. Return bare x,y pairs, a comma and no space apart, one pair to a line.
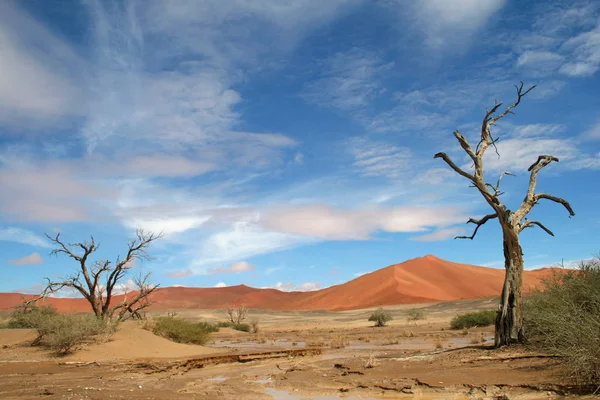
133,342
420,280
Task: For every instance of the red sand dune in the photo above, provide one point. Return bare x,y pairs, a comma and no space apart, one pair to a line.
420,280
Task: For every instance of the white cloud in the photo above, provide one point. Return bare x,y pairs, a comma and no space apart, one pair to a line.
438,235
452,23
184,273
328,223
220,285
32,259
35,80
23,236
585,53
303,287
235,268
593,132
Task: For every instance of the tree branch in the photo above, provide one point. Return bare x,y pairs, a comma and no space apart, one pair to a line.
478,223
531,198
555,199
530,223
448,161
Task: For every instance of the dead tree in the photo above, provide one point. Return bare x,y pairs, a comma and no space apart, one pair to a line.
509,319
97,281
238,314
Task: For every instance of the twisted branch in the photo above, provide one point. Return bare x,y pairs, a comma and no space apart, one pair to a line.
478,223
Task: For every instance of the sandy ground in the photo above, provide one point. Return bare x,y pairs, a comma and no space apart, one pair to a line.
296,355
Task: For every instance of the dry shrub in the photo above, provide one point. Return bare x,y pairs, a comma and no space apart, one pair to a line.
338,342
371,362
563,318
390,339
439,344
261,338
315,342
407,334
365,339
254,327
464,332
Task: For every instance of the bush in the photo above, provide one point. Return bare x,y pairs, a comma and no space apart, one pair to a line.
380,317
254,326
241,327
563,318
473,319
414,315
67,332
182,331
30,317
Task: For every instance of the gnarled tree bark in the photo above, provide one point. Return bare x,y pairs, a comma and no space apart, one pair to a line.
509,319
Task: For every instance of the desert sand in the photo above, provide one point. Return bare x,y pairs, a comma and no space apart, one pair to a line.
296,355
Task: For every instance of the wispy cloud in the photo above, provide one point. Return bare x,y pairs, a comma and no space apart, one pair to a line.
438,235
235,268
23,236
220,285
349,80
32,259
184,273
373,158
291,287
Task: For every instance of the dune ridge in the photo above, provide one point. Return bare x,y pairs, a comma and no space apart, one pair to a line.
419,280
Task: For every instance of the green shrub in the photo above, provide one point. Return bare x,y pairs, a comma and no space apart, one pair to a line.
473,319
563,318
224,324
182,331
380,317
241,327
65,333
414,315
30,317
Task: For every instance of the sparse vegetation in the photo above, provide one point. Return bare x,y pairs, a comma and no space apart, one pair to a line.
473,319
414,314
254,326
338,342
241,327
380,317
28,316
563,318
371,362
237,315
62,333
182,331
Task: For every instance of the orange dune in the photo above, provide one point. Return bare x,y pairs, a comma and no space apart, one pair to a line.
420,280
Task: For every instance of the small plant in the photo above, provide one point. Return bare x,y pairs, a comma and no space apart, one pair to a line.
473,319
316,342
414,314
254,328
371,362
241,327
439,344
28,316
182,331
338,342
224,324
261,338
380,317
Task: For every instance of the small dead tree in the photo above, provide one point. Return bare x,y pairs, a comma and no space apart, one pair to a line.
98,281
509,319
237,315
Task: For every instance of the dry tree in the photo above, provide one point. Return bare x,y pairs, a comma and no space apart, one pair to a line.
509,319
98,281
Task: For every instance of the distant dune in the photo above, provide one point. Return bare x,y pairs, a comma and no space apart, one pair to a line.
420,280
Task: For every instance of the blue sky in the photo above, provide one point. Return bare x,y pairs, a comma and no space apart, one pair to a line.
288,144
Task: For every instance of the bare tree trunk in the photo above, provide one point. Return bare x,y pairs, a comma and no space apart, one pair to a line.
509,320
